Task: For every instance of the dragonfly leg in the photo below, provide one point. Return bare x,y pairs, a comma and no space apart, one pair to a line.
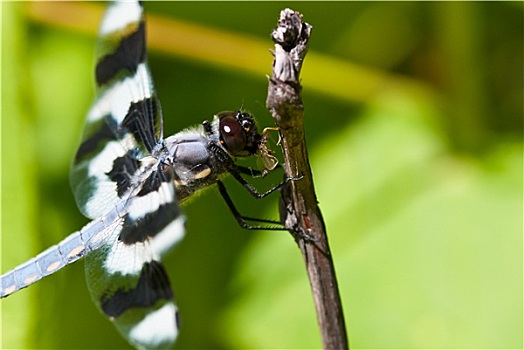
254,192
242,219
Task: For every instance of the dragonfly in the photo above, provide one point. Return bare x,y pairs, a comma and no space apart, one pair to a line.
130,181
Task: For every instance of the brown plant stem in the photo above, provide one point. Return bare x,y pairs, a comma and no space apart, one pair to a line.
299,209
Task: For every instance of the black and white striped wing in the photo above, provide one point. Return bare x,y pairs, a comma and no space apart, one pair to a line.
125,123
125,276
119,164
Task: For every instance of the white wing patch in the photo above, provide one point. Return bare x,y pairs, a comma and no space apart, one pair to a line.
103,162
119,16
141,206
157,328
165,240
105,193
102,199
128,259
118,98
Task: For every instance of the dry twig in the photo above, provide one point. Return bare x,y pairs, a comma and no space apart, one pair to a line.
299,209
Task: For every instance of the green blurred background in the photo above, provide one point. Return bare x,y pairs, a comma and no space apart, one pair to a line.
414,127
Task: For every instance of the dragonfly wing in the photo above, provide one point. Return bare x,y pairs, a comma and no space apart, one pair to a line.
125,275
125,122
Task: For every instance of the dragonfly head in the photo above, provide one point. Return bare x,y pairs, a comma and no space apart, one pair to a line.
237,133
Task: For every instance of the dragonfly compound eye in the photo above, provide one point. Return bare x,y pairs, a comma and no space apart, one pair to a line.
232,135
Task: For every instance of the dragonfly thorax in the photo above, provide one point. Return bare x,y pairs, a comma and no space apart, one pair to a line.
200,155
